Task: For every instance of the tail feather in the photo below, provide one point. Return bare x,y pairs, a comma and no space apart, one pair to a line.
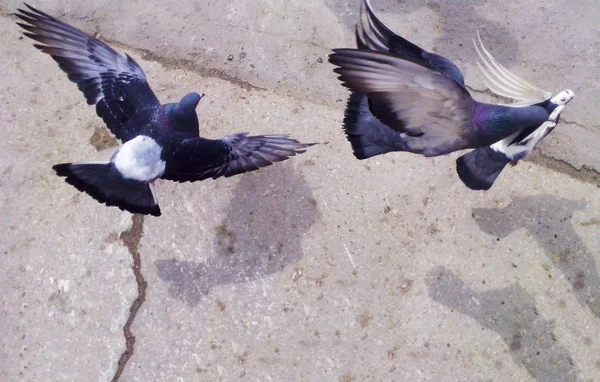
479,168
367,134
103,182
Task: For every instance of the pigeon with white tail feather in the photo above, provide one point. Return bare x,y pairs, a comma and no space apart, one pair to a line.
407,99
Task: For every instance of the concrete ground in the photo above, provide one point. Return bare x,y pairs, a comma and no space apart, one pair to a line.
320,268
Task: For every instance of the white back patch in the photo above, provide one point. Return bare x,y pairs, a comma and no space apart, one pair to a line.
139,159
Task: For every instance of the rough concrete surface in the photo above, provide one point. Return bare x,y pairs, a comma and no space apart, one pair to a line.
320,268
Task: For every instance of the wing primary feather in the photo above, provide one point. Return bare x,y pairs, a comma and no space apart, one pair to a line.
113,82
229,156
503,82
507,73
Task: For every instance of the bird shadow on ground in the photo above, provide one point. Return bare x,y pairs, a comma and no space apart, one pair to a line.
510,312
262,234
548,219
456,19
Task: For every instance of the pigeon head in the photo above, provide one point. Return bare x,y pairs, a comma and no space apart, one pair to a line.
183,114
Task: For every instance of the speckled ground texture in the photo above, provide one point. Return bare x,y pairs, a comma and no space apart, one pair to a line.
321,268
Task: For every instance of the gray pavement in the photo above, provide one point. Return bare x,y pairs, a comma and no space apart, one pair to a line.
319,268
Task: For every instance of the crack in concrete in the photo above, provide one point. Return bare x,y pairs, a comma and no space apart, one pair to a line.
192,66
584,174
211,72
131,238
183,64
567,122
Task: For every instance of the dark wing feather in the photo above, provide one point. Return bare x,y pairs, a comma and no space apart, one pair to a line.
190,160
367,134
114,83
372,34
408,97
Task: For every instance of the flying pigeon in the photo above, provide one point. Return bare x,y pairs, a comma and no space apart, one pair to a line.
407,99
159,140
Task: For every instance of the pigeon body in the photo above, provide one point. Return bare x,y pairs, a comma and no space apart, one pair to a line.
159,140
407,99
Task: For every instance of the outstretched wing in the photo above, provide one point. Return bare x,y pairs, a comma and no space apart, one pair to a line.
114,83
372,34
406,96
504,83
190,160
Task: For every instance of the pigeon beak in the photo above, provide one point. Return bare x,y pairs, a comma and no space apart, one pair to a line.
200,96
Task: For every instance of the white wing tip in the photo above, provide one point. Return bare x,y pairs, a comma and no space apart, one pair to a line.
503,82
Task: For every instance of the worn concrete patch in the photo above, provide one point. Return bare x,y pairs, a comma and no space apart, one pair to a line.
103,139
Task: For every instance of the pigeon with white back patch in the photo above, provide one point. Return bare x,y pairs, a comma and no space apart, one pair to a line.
407,99
159,140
